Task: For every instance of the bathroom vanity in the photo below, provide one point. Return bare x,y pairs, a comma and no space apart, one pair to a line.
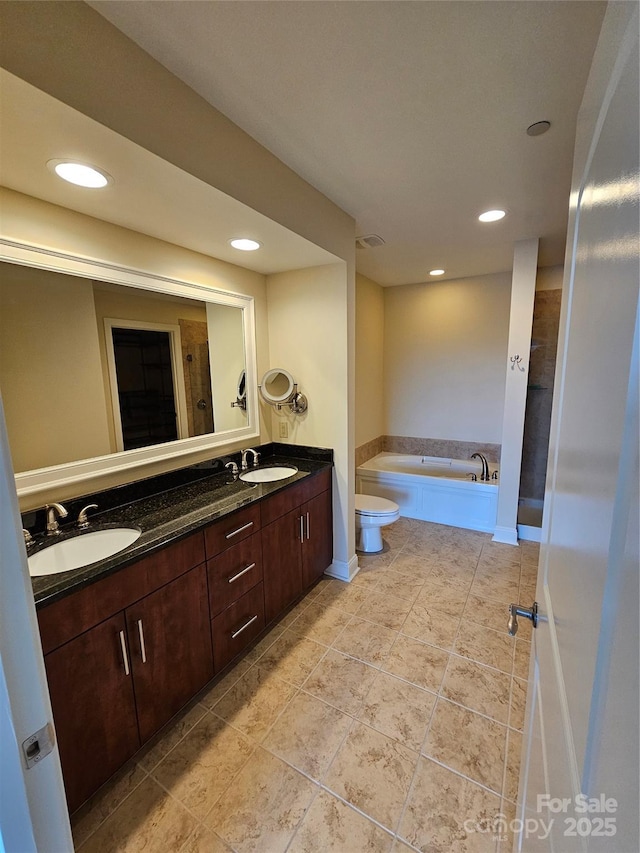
131,640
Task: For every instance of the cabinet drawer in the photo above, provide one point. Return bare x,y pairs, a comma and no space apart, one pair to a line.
234,572
283,502
226,532
234,628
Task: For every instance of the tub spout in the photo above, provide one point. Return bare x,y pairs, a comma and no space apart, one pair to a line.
485,465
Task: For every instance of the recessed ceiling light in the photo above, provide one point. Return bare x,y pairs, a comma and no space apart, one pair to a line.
436,272
80,174
492,215
245,245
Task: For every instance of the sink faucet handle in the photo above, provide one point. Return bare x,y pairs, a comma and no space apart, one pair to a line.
28,538
83,521
53,512
232,467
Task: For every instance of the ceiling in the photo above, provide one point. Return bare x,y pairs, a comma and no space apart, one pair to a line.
148,194
411,116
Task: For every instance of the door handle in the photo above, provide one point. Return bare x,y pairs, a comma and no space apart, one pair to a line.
143,651
302,529
516,610
308,528
125,656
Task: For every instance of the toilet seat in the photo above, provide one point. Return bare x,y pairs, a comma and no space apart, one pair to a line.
375,507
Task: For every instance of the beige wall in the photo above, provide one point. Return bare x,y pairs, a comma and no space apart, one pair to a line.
445,346
549,278
308,336
47,334
370,407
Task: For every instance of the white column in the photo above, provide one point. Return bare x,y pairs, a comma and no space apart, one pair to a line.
523,287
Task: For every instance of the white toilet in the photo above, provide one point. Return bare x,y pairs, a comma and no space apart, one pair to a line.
372,514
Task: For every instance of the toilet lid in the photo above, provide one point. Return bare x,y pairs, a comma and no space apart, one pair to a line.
372,505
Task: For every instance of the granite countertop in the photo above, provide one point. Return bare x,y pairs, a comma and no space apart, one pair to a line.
171,515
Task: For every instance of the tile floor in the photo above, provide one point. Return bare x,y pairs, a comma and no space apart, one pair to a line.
377,716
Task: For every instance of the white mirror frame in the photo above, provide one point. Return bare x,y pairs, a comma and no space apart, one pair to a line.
41,257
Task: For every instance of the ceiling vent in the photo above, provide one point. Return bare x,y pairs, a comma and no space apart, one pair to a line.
369,241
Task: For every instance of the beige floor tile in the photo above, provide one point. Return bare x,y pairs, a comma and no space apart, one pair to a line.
366,641
296,611
501,551
431,626
291,657
485,646
453,577
156,750
417,662
254,702
320,623
203,764
378,561
518,703
308,734
441,807
204,840
346,596
373,772
331,826
341,681
367,578
400,585
521,659
512,769
213,694
398,709
263,807
385,609
148,820
504,828
499,589
487,612
410,563
468,743
89,817
444,599
400,847
478,688
262,645
527,592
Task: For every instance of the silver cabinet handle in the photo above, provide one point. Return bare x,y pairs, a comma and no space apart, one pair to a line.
125,656
301,528
234,634
243,572
239,530
308,536
143,651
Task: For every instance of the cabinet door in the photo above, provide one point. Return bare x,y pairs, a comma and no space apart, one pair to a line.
93,707
282,562
170,643
317,550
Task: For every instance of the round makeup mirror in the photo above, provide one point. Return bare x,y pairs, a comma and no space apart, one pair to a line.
279,389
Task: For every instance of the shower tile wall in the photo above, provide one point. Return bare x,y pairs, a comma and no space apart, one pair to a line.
443,447
197,378
546,320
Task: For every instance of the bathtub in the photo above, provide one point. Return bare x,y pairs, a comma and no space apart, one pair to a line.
432,488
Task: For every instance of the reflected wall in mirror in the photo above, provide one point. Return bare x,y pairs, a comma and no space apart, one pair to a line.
90,368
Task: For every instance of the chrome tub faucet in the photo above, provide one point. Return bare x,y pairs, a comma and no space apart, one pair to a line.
485,465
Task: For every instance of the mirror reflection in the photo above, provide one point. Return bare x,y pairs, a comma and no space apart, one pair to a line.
89,368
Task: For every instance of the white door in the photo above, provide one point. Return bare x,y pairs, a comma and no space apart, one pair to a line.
579,781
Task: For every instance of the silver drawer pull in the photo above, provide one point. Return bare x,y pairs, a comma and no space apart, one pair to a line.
239,530
308,535
244,627
125,656
302,528
243,572
143,651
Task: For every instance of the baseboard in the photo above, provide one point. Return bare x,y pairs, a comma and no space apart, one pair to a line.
343,570
508,535
529,534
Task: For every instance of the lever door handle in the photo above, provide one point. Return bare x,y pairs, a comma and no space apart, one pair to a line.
516,610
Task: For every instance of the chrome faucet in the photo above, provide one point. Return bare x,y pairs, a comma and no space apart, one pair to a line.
53,510
256,456
485,465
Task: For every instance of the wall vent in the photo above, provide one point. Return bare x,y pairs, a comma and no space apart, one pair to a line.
369,241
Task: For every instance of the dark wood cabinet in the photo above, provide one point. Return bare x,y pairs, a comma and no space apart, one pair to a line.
125,654
91,688
317,547
170,646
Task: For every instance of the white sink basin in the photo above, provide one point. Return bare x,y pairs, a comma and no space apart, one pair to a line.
268,475
82,550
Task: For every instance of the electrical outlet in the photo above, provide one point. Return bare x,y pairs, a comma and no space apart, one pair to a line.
283,429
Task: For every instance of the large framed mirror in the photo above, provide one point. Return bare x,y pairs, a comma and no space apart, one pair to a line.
105,368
